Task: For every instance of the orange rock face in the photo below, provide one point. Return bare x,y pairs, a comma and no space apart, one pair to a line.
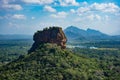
50,35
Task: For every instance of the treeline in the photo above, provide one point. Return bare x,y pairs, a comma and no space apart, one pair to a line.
49,62
12,49
98,43
105,44
108,60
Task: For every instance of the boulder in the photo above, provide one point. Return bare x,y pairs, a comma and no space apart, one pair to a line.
53,35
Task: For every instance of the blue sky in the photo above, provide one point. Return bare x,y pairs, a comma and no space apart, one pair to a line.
28,16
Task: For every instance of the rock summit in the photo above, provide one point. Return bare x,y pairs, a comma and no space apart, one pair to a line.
53,35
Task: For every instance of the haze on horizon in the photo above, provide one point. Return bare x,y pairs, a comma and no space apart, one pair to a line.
27,16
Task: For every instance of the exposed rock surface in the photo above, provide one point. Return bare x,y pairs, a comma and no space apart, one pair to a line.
49,35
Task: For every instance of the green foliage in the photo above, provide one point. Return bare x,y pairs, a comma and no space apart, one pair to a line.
108,61
105,44
98,43
12,49
50,62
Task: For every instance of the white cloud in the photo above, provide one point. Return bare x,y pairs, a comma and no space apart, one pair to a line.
59,2
98,17
12,6
106,17
82,10
105,7
72,11
93,17
19,16
68,2
78,20
32,17
49,9
99,7
12,24
59,15
5,1
38,1
8,4
85,3
32,1
7,17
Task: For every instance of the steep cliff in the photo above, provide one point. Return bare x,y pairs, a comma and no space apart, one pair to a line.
53,35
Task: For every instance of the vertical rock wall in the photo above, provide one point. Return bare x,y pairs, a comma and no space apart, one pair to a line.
49,35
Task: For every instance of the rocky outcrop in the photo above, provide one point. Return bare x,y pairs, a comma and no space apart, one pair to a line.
49,35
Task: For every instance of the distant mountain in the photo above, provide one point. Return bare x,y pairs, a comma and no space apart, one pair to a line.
96,35
92,32
14,36
74,33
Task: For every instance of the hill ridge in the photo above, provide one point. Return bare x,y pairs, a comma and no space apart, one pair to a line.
49,62
74,33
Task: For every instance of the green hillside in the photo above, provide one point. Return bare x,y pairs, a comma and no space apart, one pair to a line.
50,62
